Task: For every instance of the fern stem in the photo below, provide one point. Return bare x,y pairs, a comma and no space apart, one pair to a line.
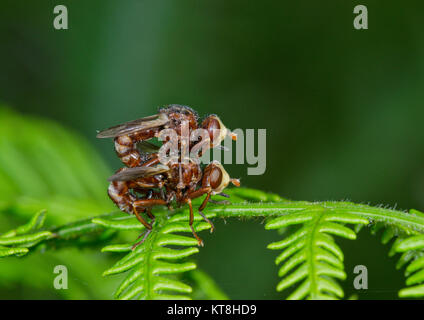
412,220
260,209
80,227
311,257
270,209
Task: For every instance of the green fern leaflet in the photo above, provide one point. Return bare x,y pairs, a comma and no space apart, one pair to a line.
313,251
153,265
18,241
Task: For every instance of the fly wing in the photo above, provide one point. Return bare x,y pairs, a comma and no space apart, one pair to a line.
148,147
135,125
138,172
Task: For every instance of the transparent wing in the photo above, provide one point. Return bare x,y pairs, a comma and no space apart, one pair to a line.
135,125
148,147
138,172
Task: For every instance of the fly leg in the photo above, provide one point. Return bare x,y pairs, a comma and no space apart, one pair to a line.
199,241
202,207
198,193
146,204
148,226
223,201
149,210
219,202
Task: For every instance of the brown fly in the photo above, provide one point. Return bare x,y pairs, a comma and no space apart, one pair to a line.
194,183
146,182
128,134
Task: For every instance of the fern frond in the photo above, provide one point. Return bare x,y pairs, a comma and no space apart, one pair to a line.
153,266
45,166
410,244
18,241
310,254
412,250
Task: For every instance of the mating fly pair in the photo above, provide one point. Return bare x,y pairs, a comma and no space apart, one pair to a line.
146,181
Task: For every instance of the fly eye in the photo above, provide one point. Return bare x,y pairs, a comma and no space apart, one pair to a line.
215,129
215,178
214,124
211,124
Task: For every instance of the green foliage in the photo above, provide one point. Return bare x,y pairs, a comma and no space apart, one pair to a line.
310,256
312,250
18,241
319,257
413,252
204,287
150,262
43,166
410,243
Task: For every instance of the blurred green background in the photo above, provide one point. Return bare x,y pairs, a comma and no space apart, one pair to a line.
343,109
